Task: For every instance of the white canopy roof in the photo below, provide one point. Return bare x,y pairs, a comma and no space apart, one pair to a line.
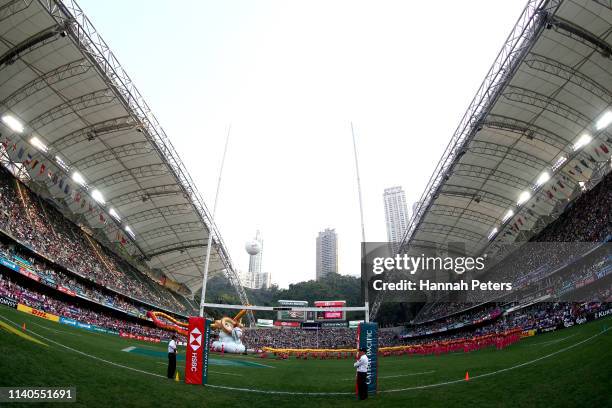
549,86
59,79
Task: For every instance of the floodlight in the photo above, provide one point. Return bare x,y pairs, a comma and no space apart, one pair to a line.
129,231
38,144
97,195
582,141
508,215
114,214
544,177
524,197
604,121
78,178
13,123
493,232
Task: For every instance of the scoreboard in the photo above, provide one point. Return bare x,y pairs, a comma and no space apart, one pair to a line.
330,315
290,315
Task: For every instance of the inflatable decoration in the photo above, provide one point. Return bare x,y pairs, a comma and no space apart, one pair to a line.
230,334
168,322
230,330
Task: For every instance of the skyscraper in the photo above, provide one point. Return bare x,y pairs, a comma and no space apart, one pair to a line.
255,278
396,213
327,253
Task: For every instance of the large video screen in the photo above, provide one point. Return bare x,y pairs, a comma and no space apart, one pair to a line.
291,315
324,315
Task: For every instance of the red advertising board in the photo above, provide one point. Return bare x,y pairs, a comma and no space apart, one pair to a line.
330,303
139,337
65,290
332,315
193,352
29,274
286,324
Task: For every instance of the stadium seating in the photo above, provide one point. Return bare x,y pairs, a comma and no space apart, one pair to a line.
40,226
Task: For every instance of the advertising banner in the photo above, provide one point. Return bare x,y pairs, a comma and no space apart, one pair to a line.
206,348
333,324
38,313
69,322
9,264
265,323
286,324
353,324
65,290
367,337
194,350
7,301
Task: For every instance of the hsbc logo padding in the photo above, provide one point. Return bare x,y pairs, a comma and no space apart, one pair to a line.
195,339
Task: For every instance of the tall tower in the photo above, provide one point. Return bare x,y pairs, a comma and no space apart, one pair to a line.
327,253
396,213
258,279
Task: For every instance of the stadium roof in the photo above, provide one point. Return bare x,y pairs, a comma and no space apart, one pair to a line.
535,135
524,145
81,114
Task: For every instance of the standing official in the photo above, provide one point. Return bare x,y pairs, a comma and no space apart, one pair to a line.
362,372
172,357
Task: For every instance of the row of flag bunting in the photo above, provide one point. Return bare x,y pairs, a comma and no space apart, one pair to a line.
39,169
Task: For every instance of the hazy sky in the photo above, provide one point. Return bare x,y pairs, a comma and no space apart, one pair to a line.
290,76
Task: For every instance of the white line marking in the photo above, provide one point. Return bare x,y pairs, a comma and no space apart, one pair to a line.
396,376
545,343
85,354
128,349
219,372
420,387
56,330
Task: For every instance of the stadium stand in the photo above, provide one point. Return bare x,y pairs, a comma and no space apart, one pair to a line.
83,315
41,227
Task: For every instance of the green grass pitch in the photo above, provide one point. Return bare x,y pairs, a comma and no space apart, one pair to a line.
571,367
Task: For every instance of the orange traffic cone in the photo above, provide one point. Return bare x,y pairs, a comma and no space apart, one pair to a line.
23,327
467,376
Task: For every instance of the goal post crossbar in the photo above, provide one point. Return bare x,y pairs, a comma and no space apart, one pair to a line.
287,308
